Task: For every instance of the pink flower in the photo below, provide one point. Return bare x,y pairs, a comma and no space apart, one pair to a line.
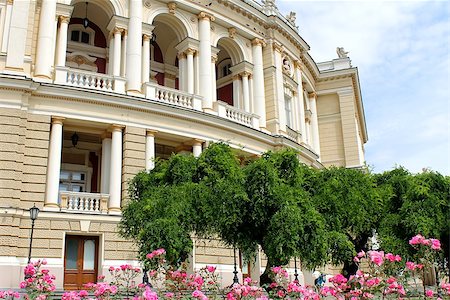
210,269
417,240
435,244
83,293
169,295
429,293
377,257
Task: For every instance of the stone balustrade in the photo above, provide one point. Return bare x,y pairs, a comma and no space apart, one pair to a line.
84,202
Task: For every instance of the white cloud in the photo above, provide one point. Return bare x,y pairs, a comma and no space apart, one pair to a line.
402,51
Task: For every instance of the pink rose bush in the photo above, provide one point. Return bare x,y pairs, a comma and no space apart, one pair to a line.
384,276
38,282
10,295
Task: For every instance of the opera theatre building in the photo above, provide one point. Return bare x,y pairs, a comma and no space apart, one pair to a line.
92,92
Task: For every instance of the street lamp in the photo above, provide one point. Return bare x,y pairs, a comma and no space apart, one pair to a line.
235,272
34,211
296,273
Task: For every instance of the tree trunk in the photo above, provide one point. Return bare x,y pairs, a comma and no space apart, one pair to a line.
265,279
349,269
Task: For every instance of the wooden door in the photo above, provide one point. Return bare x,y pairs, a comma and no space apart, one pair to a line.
80,261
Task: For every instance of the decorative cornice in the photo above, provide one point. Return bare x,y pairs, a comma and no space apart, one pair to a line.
205,16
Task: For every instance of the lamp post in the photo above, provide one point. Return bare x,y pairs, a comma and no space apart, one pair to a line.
34,211
296,273
235,272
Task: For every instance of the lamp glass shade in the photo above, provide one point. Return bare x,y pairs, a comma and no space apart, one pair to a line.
85,23
34,211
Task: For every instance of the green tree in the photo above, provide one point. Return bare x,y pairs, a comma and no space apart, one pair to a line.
414,204
256,203
350,203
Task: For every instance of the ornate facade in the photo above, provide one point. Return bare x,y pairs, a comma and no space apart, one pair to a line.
92,92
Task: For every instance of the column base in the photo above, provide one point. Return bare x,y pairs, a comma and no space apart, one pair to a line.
114,211
135,93
51,207
42,78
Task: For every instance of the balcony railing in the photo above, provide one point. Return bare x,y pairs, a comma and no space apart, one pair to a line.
84,202
90,80
235,114
293,134
172,96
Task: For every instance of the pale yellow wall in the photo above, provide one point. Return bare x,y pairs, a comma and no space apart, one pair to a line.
330,130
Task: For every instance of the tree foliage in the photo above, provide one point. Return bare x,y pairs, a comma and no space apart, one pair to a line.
351,205
414,204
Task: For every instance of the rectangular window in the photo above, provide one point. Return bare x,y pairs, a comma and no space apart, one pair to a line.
75,36
288,110
85,37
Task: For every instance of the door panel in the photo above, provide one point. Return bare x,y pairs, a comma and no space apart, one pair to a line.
80,261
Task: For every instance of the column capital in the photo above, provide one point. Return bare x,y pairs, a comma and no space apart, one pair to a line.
205,16
197,142
64,19
214,59
278,47
190,51
312,95
151,132
298,65
116,127
236,77
258,42
181,55
146,37
117,30
124,32
57,120
245,74
9,2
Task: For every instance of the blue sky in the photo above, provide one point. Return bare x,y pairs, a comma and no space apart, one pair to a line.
401,49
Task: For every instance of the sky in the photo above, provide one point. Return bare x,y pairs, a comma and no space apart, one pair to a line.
401,49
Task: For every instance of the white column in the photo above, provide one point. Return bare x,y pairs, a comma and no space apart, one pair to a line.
182,82
145,58
134,48
117,51
123,62
245,91
308,139
190,70
44,59
259,99
54,164
150,150
300,101
105,167
237,91
204,32
111,55
278,50
213,78
250,86
62,41
6,25
196,81
314,123
197,148
115,179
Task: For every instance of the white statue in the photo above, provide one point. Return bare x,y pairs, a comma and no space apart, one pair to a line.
291,17
341,52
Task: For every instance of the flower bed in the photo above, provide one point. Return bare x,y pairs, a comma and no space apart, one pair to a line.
388,276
